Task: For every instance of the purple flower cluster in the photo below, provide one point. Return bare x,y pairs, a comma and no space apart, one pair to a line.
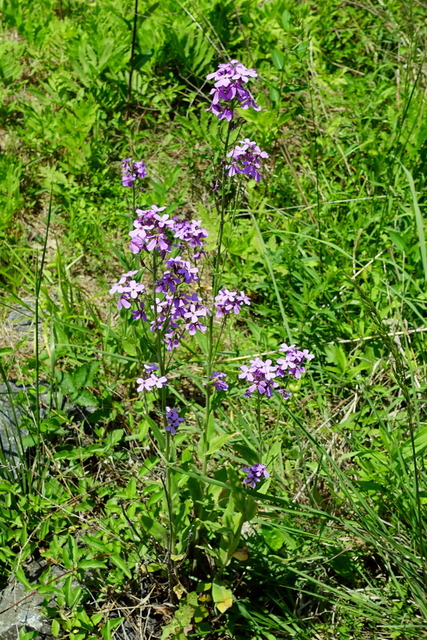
128,288
155,232
229,90
178,271
153,381
255,474
175,310
293,360
246,158
263,375
132,170
218,381
173,420
229,301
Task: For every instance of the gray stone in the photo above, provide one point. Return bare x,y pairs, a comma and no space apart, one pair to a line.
11,415
18,611
10,418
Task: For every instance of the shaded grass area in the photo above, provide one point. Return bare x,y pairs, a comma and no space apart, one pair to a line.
331,248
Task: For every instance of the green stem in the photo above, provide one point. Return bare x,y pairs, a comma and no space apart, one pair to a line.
215,278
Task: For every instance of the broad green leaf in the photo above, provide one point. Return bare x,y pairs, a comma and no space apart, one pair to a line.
222,596
120,564
278,59
219,442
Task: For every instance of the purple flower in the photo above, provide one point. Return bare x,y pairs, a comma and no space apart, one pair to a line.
155,232
128,288
134,288
293,361
218,381
183,269
190,231
233,70
193,314
149,368
139,314
246,158
173,420
153,380
230,79
140,169
131,171
123,301
175,310
119,286
229,301
262,376
168,283
180,271
255,474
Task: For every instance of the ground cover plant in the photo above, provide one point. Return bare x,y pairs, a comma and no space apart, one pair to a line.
238,178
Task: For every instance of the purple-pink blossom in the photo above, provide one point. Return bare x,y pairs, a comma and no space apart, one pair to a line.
179,271
293,360
132,170
155,232
177,314
261,375
128,288
255,474
246,159
153,381
230,90
229,302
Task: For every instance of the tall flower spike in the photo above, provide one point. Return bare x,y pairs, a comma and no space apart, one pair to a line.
229,90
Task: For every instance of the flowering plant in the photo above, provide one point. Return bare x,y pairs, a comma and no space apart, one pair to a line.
166,301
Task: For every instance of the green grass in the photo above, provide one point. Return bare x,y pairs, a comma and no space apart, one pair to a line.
331,248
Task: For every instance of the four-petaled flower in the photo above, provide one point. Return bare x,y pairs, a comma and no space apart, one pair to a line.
255,474
153,381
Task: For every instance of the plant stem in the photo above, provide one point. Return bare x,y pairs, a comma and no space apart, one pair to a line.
132,55
215,277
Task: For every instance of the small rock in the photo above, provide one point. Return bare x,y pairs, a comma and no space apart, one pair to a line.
21,612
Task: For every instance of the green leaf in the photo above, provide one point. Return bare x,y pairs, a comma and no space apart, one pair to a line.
286,19
129,348
120,564
91,564
20,575
398,240
219,442
83,376
109,626
278,59
85,398
222,596
55,628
